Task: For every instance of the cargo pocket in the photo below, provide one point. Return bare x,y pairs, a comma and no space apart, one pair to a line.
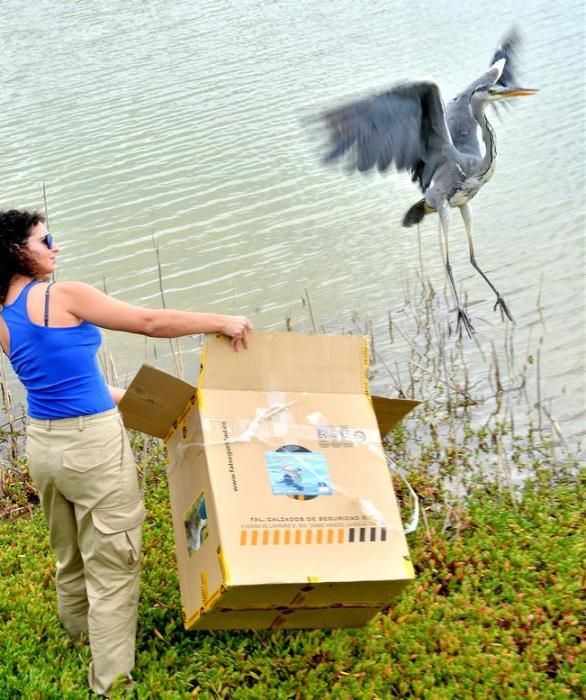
119,534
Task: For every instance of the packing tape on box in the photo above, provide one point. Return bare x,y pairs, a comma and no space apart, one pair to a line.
262,428
370,511
262,416
414,522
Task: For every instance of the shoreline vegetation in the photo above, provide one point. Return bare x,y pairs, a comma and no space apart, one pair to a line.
495,609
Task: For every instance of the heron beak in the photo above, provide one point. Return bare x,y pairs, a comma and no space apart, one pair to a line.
519,92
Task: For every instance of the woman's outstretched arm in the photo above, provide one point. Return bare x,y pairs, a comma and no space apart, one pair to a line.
90,304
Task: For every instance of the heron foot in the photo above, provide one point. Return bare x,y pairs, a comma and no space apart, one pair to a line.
503,308
464,322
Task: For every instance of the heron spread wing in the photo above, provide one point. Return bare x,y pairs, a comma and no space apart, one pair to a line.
404,126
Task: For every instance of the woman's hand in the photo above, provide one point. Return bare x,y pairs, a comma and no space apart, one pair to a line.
236,328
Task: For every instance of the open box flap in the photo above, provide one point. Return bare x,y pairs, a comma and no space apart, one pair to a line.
154,400
289,362
390,411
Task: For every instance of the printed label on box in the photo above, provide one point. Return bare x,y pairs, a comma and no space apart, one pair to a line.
297,473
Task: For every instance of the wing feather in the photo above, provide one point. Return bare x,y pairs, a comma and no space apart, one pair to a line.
404,126
509,50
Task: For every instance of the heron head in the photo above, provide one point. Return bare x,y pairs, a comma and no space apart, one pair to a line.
497,93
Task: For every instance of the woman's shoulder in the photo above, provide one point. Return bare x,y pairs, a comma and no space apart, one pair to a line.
77,291
60,290
71,286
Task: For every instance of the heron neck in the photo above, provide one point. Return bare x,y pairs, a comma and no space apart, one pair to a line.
487,136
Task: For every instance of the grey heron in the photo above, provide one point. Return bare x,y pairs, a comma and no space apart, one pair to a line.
449,150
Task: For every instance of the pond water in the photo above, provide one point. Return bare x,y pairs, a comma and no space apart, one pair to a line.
179,125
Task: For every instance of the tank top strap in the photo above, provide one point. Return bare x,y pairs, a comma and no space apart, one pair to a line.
46,314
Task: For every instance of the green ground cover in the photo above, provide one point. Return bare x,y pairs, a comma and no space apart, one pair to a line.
496,611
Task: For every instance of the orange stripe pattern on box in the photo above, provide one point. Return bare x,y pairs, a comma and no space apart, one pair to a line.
329,535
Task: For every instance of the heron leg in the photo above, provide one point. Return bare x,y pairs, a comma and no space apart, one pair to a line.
466,212
463,318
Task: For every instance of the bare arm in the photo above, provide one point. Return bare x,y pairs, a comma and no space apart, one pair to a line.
89,304
4,337
116,393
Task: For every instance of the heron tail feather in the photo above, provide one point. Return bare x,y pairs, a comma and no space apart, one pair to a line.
416,213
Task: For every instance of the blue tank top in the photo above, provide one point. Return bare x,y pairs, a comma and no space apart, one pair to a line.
57,365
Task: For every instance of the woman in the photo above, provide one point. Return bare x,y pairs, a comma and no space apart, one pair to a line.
78,451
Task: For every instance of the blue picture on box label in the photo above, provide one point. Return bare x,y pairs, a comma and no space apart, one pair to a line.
298,474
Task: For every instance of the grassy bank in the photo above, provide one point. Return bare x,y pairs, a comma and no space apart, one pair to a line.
495,611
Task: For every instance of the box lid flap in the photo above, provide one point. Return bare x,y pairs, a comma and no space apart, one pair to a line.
154,400
390,411
294,362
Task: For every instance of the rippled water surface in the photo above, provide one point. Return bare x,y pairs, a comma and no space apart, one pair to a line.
180,123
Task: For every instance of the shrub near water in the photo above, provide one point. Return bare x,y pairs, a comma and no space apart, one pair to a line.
494,612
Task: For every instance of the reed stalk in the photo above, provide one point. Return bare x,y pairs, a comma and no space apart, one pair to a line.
310,310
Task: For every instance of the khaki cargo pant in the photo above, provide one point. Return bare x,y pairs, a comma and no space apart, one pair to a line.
86,475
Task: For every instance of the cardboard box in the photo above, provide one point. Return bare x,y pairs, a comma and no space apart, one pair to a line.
283,506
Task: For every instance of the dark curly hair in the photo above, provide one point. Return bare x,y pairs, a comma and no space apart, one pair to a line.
15,228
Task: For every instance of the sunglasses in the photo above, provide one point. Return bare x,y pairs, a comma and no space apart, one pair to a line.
47,239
